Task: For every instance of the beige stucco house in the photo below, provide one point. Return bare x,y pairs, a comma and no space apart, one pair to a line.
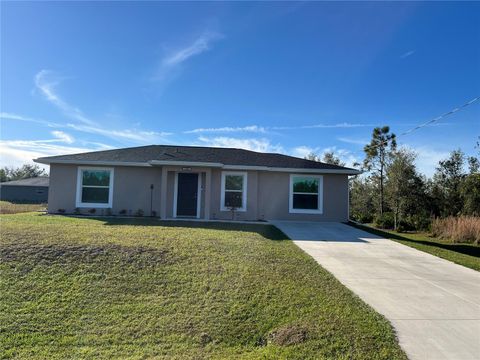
197,182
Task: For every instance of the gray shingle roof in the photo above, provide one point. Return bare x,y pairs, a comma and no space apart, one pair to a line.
36,181
225,156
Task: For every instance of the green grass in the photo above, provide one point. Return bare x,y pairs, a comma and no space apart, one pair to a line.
463,254
138,288
7,207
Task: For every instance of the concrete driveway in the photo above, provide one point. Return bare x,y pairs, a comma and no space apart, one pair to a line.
433,304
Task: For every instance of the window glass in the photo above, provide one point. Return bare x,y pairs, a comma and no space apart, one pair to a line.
304,201
233,199
95,186
96,178
305,185
233,182
95,195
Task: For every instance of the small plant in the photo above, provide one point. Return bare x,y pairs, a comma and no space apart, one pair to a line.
108,212
154,213
122,212
92,211
139,213
61,211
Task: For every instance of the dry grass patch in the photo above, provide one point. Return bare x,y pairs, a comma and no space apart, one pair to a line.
7,207
458,229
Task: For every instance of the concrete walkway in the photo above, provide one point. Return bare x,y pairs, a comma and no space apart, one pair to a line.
433,304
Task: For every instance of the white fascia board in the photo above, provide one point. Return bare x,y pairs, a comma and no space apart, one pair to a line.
293,170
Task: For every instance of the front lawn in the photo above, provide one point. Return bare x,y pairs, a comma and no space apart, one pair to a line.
140,288
463,254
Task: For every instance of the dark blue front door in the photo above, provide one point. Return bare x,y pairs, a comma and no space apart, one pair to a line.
187,194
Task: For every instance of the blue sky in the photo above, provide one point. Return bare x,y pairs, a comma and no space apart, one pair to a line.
281,77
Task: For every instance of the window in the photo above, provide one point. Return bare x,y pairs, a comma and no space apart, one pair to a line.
234,191
94,187
306,194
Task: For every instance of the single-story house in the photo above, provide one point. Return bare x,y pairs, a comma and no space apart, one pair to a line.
198,182
32,190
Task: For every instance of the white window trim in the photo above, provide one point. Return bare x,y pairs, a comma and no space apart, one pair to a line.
320,195
244,190
78,200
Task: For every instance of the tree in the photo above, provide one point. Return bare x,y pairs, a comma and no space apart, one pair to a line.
378,153
470,195
448,178
24,172
362,205
329,157
312,156
404,186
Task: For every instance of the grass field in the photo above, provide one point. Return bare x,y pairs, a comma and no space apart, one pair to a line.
7,207
140,288
463,254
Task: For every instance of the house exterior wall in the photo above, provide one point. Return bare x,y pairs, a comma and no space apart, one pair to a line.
28,194
131,189
267,193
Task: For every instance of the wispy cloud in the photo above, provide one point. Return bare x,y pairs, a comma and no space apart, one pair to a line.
63,137
47,81
407,54
321,126
11,116
173,60
353,141
228,129
266,129
18,152
254,144
128,134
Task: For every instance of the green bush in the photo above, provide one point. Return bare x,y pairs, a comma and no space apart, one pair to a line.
384,221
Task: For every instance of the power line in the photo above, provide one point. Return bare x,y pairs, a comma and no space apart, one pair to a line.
451,112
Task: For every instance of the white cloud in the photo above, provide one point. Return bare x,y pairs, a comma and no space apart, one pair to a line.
18,152
321,126
46,81
353,141
227,129
63,137
303,151
427,158
127,134
172,61
407,54
11,116
261,145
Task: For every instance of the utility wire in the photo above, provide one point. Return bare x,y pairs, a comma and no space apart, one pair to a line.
451,112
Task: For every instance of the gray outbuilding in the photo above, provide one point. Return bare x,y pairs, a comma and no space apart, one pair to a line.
32,190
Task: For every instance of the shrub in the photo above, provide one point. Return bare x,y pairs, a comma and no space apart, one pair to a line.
61,211
139,213
384,221
123,212
108,212
76,211
92,211
154,213
458,229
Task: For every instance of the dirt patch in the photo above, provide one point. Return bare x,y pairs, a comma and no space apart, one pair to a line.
48,255
288,335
